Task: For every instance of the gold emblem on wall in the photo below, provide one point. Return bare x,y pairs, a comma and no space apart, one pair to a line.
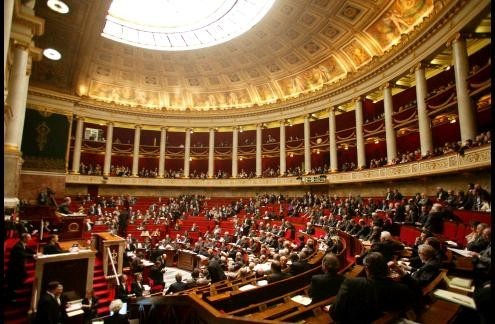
73,227
42,138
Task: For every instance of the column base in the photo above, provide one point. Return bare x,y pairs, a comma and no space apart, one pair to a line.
10,202
12,163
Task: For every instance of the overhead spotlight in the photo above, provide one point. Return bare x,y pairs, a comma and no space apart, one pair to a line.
190,159
240,129
377,141
191,131
453,120
52,54
447,68
58,6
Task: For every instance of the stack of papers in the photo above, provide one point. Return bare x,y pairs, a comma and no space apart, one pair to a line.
303,300
458,283
247,287
464,253
453,297
262,283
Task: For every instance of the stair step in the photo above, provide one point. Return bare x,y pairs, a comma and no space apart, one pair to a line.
103,310
101,285
100,293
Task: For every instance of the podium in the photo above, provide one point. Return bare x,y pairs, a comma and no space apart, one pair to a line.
187,260
73,269
116,244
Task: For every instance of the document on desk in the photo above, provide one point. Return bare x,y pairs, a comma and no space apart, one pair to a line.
301,299
247,287
464,253
462,284
453,297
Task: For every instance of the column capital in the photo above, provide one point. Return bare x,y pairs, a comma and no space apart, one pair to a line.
454,38
419,66
357,99
214,129
386,85
164,128
235,128
283,122
79,117
110,123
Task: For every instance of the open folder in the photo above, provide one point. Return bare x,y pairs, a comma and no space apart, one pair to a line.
453,297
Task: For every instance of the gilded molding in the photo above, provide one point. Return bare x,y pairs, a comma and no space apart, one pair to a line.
472,159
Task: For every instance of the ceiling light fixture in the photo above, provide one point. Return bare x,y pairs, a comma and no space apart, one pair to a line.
58,6
52,54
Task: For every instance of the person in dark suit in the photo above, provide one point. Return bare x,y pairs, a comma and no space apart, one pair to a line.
422,276
327,284
116,318
434,220
156,273
51,306
53,247
215,270
137,287
64,207
89,306
362,300
16,271
122,290
178,285
387,246
123,220
297,265
276,272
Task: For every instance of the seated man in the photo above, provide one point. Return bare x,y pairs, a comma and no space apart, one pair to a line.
178,285
428,270
481,243
53,247
276,272
373,295
156,273
64,207
196,279
327,284
137,287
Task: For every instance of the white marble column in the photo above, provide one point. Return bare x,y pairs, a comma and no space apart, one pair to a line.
361,154
76,157
390,136
333,142
187,153
18,86
108,150
307,146
161,159
8,11
135,154
425,137
235,148
467,117
211,154
283,155
259,172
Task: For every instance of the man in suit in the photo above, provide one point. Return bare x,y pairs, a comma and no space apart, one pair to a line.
178,285
215,270
16,272
53,247
276,272
51,306
137,287
64,207
122,290
364,299
387,246
156,273
327,284
89,306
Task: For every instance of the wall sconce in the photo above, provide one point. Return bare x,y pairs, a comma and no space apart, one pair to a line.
291,154
377,141
241,158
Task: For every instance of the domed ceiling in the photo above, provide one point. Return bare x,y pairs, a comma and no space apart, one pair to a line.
299,47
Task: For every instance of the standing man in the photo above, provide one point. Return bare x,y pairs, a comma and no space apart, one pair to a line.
53,247
51,306
16,272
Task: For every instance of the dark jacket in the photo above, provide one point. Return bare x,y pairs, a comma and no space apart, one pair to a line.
362,300
116,318
51,248
216,272
49,311
276,276
137,289
176,287
324,286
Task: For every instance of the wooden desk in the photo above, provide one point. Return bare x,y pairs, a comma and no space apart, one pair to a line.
186,260
116,244
74,270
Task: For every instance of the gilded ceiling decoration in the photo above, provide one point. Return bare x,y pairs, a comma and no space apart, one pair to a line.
297,48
